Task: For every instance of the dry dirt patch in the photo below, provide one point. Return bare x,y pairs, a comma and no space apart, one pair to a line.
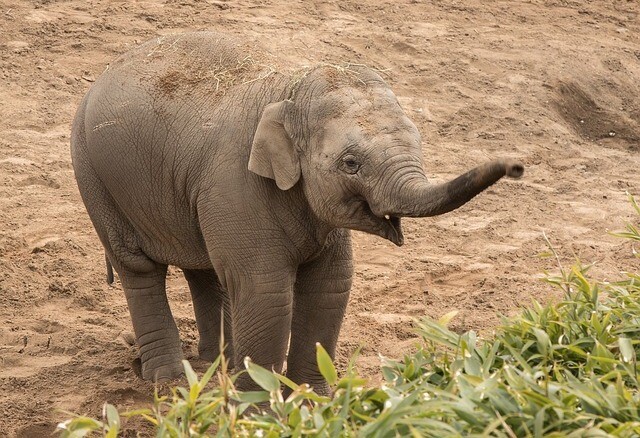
481,80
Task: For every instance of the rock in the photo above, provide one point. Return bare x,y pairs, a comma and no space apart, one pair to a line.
128,337
17,46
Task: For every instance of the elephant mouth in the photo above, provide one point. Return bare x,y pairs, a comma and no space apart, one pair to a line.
386,226
393,229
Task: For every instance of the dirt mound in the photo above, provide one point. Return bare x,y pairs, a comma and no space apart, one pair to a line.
595,122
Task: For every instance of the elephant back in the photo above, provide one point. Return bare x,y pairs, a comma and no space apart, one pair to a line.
197,63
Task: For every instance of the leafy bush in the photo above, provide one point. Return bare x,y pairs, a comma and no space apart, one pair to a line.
562,369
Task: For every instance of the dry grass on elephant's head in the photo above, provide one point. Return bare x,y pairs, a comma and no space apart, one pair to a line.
334,75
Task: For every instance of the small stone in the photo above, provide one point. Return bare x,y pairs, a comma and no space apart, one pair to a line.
128,337
69,80
17,46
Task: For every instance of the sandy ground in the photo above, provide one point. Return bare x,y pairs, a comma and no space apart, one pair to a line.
555,84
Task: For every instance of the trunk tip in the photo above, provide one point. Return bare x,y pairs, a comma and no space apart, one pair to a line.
514,169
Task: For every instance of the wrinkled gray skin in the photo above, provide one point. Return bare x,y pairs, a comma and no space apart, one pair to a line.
188,153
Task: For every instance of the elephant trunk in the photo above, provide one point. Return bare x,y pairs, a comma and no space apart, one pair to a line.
418,198
407,193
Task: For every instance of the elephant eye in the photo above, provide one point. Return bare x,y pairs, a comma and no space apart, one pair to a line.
350,164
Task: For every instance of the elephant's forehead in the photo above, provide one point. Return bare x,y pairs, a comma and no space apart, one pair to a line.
373,109
366,126
368,99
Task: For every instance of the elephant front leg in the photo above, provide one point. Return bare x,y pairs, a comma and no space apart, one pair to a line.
155,329
320,300
261,318
210,305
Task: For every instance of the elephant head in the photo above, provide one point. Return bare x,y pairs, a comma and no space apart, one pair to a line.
343,136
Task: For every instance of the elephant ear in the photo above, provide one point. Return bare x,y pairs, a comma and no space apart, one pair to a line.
272,152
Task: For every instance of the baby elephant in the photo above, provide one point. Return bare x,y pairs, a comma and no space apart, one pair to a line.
199,151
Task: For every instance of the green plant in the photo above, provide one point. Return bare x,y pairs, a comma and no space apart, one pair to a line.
561,369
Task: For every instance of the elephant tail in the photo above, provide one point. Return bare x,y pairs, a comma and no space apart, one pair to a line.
109,270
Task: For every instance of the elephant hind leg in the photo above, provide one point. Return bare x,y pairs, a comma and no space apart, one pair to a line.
155,329
143,279
211,308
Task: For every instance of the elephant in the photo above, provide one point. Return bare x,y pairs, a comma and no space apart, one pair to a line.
201,151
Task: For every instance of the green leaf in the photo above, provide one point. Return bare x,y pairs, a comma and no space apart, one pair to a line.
192,378
136,412
79,427
113,420
183,393
316,398
538,423
294,418
325,364
472,366
447,317
210,372
544,343
287,381
265,379
252,397
467,415
626,349
354,382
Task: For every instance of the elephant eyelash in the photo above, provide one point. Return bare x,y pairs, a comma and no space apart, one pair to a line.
350,164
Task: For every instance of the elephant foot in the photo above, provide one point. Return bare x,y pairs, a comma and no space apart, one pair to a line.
319,386
208,354
162,368
322,389
162,373
211,353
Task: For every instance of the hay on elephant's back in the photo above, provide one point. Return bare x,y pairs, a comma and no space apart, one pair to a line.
216,79
209,65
